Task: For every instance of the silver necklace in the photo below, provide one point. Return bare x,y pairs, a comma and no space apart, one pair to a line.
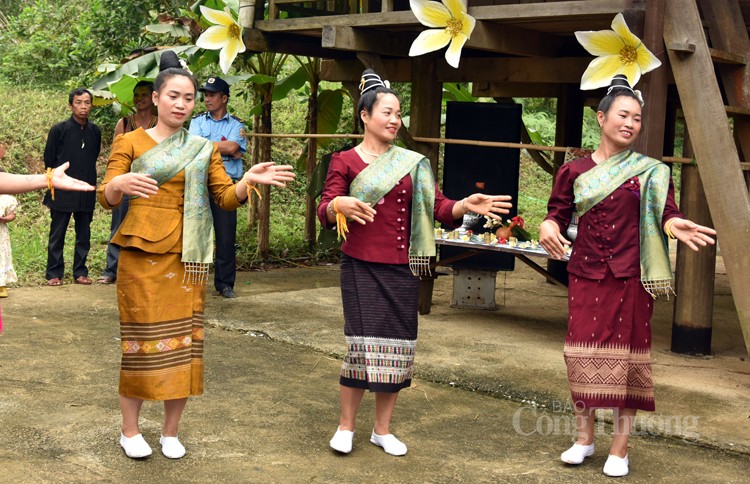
372,154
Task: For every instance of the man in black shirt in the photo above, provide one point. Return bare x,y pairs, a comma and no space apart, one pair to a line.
78,141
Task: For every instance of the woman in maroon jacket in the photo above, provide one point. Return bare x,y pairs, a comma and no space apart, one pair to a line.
618,266
391,195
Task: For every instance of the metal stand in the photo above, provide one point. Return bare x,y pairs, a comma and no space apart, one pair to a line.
473,289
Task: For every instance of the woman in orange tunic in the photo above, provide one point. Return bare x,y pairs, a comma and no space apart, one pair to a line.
166,245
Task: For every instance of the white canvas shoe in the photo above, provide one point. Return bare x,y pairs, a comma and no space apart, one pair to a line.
135,447
390,444
616,466
342,441
577,453
171,447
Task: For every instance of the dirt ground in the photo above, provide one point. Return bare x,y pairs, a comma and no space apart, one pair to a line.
489,403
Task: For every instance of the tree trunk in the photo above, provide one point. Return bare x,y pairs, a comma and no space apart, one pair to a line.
252,204
312,156
353,89
264,206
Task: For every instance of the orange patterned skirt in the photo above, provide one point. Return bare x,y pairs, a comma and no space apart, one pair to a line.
161,327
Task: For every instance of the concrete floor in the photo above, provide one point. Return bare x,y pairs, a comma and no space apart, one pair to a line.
489,404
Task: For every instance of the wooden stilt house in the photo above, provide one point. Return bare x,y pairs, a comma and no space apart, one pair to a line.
527,48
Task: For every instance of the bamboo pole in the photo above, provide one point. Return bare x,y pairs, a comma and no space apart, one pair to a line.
247,13
491,144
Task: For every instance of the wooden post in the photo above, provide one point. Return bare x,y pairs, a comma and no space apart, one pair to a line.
714,147
568,132
694,277
264,204
727,31
569,121
246,13
694,273
654,85
312,154
426,105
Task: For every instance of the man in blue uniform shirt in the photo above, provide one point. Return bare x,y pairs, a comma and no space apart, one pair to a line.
228,133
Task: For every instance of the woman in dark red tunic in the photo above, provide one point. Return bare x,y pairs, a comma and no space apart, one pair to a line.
618,265
390,197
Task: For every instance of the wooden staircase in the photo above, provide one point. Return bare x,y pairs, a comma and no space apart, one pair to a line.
695,61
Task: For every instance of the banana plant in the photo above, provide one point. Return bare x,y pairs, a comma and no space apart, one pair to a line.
323,116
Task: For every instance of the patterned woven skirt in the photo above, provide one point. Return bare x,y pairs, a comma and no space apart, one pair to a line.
608,344
380,314
161,327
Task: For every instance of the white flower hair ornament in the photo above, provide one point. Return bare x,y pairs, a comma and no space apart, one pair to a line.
618,51
225,35
185,67
451,25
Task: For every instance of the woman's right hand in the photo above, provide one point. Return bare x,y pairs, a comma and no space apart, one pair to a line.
552,240
355,209
135,184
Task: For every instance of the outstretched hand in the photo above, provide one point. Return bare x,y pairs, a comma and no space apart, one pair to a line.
552,240
690,233
135,184
489,205
64,182
355,209
269,173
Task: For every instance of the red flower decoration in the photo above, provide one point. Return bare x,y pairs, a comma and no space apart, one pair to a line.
518,220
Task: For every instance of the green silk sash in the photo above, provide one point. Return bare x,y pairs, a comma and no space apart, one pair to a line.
381,175
596,184
183,151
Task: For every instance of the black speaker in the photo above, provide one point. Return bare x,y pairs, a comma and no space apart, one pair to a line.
469,169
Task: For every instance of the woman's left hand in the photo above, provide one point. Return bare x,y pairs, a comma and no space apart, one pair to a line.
64,182
691,233
270,173
489,205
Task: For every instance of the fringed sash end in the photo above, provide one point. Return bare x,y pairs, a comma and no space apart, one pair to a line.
658,288
420,265
195,274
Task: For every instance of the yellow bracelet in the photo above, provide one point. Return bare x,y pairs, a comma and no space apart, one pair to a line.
250,189
50,172
668,227
341,228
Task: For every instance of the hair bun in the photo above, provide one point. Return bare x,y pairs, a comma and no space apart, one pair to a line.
169,60
620,80
370,80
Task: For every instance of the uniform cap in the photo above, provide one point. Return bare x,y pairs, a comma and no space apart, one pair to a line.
215,84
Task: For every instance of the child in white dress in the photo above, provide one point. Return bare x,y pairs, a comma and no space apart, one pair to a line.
8,204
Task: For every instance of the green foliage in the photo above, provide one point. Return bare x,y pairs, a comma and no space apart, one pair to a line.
10,8
533,191
25,136
117,25
46,44
55,43
330,105
542,125
454,91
